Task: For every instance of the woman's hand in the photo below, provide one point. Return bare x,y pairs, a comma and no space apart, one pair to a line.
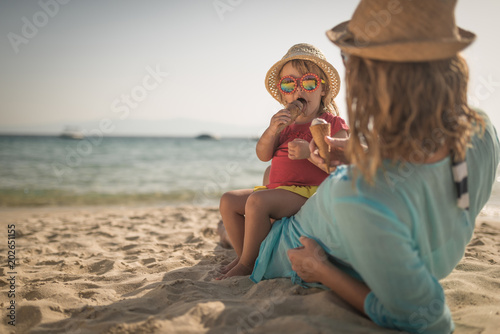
337,156
309,261
311,264
298,149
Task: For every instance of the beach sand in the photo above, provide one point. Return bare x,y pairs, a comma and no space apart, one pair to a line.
152,270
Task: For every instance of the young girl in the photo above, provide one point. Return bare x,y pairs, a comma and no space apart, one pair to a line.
303,74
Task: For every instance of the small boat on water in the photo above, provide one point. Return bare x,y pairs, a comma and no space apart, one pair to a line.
206,136
72,133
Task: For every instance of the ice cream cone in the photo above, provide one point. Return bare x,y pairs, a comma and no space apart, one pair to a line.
319,131
295,109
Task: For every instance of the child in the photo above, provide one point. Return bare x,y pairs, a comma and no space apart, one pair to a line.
302,74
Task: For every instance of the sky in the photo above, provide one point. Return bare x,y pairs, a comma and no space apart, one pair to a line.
152,67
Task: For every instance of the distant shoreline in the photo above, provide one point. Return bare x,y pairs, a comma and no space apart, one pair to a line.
34,135
67,199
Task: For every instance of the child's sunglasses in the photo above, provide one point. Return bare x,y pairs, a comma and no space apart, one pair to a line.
310,82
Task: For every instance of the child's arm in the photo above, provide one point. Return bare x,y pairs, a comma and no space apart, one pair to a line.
268,142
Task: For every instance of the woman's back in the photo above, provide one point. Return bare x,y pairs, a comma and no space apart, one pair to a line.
412,203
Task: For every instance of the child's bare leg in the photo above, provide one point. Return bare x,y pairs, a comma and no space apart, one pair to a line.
260,207
232,209
221,230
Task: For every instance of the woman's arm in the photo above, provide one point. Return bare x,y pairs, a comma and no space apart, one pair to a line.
381,247
311,264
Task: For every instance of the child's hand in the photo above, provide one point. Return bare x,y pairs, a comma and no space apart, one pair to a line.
282,117
298,149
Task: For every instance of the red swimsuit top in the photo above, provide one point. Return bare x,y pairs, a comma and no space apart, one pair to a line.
287,172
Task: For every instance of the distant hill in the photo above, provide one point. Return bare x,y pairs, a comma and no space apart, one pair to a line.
129,127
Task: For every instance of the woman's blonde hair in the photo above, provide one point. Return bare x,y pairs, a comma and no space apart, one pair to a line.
407,111
306,66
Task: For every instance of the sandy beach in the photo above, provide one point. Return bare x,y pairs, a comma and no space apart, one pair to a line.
151,270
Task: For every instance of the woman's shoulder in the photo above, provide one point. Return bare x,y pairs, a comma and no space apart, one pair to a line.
347,185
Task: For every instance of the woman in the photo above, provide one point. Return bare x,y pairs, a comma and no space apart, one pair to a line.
381,232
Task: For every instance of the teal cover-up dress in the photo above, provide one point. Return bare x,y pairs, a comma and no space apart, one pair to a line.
400,236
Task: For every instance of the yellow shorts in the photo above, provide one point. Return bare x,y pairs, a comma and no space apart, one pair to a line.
304,191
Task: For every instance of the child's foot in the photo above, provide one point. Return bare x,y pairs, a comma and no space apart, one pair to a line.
224,269
239,270
224,238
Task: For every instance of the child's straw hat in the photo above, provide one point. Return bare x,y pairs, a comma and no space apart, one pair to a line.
305,52
402,31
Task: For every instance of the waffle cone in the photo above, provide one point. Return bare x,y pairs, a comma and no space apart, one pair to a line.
295,109
319,131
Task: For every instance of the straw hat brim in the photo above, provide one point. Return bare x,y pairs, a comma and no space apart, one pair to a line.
400,51
272,76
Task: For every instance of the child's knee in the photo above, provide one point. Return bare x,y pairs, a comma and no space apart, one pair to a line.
255,202
233,201
225,201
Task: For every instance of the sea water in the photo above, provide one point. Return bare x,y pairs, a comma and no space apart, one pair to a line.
43,170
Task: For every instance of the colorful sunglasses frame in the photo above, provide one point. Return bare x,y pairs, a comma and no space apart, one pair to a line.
300,80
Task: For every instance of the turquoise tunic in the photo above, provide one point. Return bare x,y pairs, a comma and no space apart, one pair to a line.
400,236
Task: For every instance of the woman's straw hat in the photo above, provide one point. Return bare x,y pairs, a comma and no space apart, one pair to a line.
305,52
402,31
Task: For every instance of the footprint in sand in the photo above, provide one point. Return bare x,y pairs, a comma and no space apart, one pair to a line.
128,247
34,295
101,267
148,261
87,294
101,234
27,317
476,242
50,263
